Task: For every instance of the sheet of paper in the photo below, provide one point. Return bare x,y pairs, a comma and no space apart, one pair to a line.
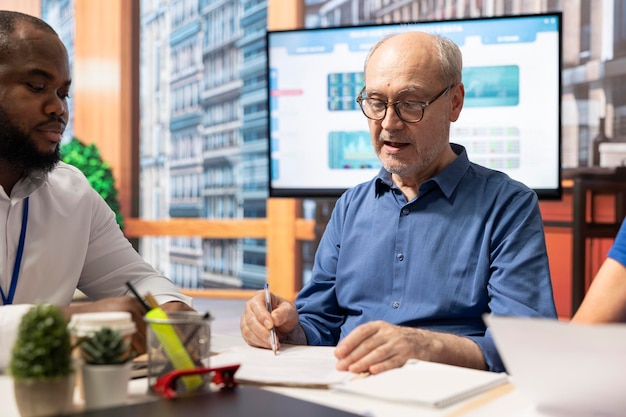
223,342
565,366
425,383
307,366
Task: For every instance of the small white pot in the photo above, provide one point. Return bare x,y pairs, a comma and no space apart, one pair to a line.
105,385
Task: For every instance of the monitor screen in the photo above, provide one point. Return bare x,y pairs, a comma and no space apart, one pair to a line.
511,120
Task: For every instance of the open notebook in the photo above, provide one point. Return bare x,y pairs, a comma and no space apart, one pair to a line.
425,383
565,368
417,382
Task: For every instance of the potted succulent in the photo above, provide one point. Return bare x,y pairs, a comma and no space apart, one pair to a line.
106,355
41,363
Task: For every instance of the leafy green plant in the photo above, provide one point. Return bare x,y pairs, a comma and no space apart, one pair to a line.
88,160
106,346
42,349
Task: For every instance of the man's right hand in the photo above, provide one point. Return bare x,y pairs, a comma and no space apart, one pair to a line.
256,322
125,303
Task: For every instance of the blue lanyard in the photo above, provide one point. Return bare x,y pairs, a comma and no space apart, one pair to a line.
18,258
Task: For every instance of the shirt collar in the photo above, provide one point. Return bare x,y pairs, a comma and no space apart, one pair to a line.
447,179
28,184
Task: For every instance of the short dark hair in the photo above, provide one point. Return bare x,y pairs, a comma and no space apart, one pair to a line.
9,20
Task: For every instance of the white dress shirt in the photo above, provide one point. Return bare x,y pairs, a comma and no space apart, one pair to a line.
72,241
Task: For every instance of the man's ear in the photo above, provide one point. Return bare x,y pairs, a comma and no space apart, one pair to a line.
457,98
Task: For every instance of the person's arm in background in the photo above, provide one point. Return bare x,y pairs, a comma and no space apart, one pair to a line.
605,301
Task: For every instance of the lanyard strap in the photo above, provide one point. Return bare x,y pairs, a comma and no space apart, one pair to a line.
18,258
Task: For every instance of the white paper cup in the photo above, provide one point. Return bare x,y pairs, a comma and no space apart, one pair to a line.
84,324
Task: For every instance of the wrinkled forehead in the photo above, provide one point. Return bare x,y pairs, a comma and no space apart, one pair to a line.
405,61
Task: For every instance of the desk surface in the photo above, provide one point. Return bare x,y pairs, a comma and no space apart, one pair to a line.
242,401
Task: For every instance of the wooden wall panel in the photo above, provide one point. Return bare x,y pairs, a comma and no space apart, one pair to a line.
128,169
31,7
285,14
559,243
104,86
283,254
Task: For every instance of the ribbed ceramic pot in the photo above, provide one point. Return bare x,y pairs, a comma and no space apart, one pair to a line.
38,398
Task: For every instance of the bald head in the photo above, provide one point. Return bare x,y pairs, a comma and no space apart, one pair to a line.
437,54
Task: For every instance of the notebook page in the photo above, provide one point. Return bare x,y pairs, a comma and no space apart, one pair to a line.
298,366
425,383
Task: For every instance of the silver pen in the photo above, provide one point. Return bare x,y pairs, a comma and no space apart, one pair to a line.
268,304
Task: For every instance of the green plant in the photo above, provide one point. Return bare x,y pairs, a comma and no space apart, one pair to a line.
42,349
99,174
106,346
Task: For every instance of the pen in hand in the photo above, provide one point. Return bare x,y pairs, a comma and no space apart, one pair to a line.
136,294
268,304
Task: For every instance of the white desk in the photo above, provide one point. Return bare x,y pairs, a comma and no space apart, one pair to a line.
501,401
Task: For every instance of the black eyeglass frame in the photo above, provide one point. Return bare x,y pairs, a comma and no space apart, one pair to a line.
423,105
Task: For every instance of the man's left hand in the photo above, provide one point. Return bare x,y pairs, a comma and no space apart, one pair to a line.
377,346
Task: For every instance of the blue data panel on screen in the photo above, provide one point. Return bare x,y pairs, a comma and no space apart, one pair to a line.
351,150
491,86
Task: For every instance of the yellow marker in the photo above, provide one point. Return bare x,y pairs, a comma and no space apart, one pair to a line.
174,349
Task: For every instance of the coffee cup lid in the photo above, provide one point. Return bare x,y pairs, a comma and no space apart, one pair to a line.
83,324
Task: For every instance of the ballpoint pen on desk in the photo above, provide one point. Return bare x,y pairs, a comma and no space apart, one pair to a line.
268,303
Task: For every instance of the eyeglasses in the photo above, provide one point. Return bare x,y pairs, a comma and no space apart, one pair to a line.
407,110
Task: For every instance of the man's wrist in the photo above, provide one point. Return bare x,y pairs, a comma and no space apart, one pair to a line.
295,337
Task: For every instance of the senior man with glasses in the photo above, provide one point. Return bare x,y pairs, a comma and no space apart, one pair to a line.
411,260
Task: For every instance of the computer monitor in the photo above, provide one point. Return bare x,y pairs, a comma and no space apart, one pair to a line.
511,121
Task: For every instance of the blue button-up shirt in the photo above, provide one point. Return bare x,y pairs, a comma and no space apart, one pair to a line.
472,242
